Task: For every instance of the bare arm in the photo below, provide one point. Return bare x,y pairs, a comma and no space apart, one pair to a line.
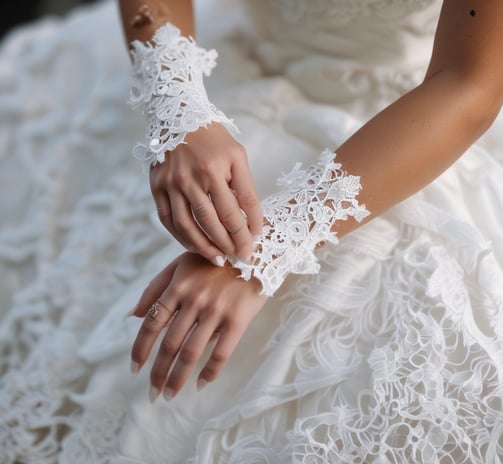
203,185
414,140
141,25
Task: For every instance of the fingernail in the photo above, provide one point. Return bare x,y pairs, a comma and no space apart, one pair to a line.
153,393
218,261
246,258
131,311
168,394
201,383
135,368
256,238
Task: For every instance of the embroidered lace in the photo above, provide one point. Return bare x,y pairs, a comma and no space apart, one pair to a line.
298,218
168,86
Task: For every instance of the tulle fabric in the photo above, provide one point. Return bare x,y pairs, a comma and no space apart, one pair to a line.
392,353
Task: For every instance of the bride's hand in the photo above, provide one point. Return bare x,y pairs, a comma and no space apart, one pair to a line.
200,191
198,303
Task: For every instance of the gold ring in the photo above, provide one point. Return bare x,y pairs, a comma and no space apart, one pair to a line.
154,310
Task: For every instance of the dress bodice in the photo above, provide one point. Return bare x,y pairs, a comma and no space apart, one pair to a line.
336,49
341,12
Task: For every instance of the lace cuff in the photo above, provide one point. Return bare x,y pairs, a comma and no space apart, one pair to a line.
298,218
168,86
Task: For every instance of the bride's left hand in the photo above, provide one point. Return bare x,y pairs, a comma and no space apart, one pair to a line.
197,302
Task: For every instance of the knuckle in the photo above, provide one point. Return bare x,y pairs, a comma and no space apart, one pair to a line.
182,225
238,151
188,356
213,309
230,220
169,347
197,299
156,184
201,211
248,199
176,290
219,357
164,217
180,177
209,168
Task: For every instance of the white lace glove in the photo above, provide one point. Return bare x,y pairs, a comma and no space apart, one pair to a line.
168,86
300,217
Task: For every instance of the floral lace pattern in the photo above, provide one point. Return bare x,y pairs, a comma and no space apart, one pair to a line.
298,218
168,85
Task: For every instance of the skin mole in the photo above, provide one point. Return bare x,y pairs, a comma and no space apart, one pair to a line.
472,13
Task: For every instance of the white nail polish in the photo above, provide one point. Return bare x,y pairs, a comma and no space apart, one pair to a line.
135,368
256,238
218,261
168,394
201,383
131,312
153,393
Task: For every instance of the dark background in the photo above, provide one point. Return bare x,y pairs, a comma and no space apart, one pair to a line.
15,12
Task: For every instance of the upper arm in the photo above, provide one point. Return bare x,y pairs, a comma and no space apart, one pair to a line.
469,43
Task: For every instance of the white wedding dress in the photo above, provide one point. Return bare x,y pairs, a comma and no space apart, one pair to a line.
393,353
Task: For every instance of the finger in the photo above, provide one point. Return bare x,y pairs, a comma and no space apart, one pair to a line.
242,183
232,219
164,213
187,228
225,346
189,355
207,218
173,339
156,319
155,289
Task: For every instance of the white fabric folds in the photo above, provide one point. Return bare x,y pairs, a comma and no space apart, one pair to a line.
298,218
168,86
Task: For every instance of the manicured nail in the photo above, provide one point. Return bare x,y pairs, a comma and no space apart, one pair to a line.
256,238
135,368
201,383
132,311
168,394
218,261
153,393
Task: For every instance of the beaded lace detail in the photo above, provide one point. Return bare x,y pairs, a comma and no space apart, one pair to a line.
168,86
299,217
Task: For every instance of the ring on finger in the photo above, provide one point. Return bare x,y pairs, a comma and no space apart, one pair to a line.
154,309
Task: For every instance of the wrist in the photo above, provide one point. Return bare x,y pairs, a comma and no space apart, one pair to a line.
300,217
168,85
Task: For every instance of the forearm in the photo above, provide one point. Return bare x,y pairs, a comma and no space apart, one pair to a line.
414,140
140,18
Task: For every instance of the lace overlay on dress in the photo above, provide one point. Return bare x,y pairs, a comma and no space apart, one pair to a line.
426,392
392,353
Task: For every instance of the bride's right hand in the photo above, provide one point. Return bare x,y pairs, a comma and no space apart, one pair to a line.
200,191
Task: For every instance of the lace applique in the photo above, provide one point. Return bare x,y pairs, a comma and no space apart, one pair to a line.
168,85
299,218
343,11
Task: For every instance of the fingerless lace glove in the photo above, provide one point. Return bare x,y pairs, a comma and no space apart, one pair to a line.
168,86
298,218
